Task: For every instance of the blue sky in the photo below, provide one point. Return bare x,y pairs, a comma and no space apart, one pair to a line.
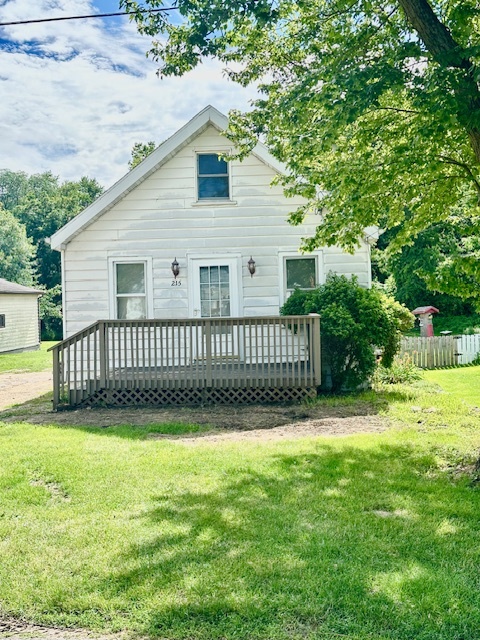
77,95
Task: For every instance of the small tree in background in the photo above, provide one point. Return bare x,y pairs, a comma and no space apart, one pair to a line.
139,152
354,320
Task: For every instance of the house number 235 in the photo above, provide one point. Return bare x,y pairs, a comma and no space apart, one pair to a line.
176,283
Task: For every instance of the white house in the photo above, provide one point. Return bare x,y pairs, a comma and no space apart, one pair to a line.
188,235
19,322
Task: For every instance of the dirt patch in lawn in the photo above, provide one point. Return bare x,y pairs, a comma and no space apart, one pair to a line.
246,422
16,388
19,630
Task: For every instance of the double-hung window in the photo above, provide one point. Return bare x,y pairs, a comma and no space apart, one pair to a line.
130,290
212,177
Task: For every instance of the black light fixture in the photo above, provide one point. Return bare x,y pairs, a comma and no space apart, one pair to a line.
251,266
175,268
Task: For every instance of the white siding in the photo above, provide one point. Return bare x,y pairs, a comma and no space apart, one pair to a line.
162,219
21,322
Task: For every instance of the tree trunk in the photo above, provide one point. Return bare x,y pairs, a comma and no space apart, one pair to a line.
435,35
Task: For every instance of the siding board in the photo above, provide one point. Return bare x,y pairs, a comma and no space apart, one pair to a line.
21,329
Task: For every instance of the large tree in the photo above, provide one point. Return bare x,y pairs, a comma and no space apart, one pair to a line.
39,205
43,204
373,105
16,250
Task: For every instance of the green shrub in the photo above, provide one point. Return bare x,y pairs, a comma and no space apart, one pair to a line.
51,313
354,320
401,371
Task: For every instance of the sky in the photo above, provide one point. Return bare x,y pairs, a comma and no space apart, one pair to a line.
75,96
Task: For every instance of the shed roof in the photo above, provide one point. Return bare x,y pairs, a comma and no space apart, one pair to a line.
168,148
13,287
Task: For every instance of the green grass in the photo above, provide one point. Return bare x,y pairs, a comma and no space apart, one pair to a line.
364,537
28,360
463,386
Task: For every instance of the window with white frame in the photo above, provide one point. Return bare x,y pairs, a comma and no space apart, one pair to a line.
130,290
212,177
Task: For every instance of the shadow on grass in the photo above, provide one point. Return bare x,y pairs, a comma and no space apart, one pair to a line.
332,543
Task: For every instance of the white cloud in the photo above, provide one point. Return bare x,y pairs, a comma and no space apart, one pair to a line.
76,95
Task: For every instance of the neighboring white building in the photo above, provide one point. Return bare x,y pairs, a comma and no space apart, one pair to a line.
19,321
184,205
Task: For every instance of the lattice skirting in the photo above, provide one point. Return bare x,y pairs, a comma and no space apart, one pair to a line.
135,397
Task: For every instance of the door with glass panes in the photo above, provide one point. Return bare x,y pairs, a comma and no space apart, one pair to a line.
215,285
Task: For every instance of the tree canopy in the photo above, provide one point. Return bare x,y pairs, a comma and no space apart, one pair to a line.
407,273
32,208
374,107
16,250
42,205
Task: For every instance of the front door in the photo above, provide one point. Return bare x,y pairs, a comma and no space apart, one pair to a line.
215,284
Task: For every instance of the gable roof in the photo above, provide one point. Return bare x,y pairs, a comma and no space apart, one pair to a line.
168,148
12,287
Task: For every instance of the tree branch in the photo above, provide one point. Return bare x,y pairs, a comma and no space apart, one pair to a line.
465,167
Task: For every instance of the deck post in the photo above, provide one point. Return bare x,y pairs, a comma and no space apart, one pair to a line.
315,348
103,354
208,352
56,379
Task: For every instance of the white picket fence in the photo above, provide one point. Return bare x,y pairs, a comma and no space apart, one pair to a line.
441,351
468,348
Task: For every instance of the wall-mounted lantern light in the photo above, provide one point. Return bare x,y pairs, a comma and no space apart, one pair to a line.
175,268
251,266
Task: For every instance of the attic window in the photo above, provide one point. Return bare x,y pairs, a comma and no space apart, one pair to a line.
212,177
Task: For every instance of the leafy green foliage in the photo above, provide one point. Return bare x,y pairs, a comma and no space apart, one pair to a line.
16,250
353,321
415,268
401,371
373,106
44,208
456,324
140,151
51,313
40,205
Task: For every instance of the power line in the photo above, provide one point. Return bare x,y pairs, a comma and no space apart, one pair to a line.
95,15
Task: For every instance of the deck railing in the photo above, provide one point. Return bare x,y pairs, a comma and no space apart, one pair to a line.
208,353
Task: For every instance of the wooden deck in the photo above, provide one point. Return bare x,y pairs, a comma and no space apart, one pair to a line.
230,360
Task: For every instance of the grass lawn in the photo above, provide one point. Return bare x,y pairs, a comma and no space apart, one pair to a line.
465,385
28,360
365,537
